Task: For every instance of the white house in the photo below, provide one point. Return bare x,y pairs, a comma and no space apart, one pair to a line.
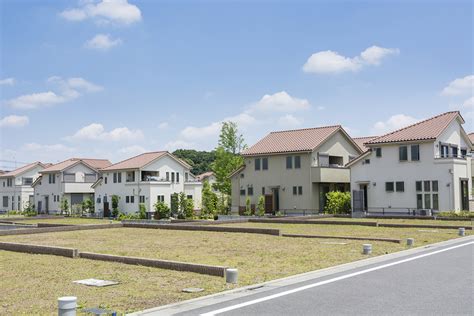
423,166
70,179
295,169
210,177
16,188
146,178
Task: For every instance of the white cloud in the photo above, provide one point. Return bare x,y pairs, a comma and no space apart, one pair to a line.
163,125
332,62
106,11
321,108
193,132
281,102
393,123
96,131
69,89
102,42
460,86
7,81
289,120
469,103
132,150
14,121
33,147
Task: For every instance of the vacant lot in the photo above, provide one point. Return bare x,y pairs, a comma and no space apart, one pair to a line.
66,220
461,223
31,284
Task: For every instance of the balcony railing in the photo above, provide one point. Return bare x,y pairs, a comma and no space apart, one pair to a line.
449,156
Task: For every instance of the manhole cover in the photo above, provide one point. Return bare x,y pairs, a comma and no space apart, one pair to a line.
95,282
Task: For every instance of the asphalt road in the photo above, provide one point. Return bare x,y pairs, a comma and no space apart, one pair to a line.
433,282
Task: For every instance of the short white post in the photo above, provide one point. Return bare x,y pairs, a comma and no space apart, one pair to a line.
67,306
231,275
410,242
462,231
367,249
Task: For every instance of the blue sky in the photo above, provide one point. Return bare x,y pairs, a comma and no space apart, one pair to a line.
115,78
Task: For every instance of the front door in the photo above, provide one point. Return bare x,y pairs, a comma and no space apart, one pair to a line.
106,209
268,203
464,195
46,204
363,187
323,191
276,200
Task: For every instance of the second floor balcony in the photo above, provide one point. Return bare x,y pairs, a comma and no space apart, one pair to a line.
330,175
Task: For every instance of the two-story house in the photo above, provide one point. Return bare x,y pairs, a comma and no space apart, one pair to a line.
70,179
426,165
16,189
146,178
294,169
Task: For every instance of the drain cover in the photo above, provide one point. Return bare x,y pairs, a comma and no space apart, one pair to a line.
192,290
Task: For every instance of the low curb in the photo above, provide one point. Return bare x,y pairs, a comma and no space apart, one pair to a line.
39,249
397,241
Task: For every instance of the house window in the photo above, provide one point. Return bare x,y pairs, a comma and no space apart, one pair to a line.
186,177
105,180
127,199
5,201
168,176
297,162
400,186
300,190
454,150
463,152
295,190
435,202
142,199
427,186
289,162
242,191
434,186
264,163
115,177
257,163
250,190
132,199
403,153
263,190
415,152
160,198
189,197
367,161
130,176
389,186
27,181
427,200
177,177
172,176
51,178
419,201
10,182
242,175
419,186
444,151
378,152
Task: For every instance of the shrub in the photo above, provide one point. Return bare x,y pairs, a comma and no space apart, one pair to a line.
189,208
261,206
174,204
123,216
88,206
29,210
248,207
209,201
115,203
338,202
64,205
162,210
141,211
462,214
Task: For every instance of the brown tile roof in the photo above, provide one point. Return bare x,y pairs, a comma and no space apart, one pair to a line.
142,160
204,175
428,129
360,141
471,137
298,140
94,163
25,168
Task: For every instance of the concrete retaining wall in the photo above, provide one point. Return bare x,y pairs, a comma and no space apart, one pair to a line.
249,230
40,230
164,264
343,237
52,225
315,222
37,249
424,226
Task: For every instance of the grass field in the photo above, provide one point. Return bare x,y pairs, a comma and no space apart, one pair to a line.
259,258
31,284
461,223
67,220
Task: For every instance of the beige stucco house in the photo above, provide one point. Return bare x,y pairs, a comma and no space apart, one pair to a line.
294,169
426,165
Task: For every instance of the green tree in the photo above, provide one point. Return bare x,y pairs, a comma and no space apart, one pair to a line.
230,139
64,205
222,204
29,209
88,205
182,204
209,201
115,204
142,211
162,210
189,208
248,207
261,206
200,161
174,204
338,202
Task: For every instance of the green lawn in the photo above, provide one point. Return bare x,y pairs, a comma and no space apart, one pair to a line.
31,284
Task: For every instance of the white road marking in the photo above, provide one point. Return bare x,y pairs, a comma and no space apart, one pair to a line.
342,277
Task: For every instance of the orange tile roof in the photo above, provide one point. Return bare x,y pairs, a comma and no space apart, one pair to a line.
141,161
360,141
204,175
428,129
94,163
25,168
292,140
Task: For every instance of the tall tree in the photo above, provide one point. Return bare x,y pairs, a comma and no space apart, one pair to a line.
228,156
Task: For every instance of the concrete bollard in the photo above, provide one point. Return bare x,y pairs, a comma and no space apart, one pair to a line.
231,276
462,231
410,242
367,249
67,306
